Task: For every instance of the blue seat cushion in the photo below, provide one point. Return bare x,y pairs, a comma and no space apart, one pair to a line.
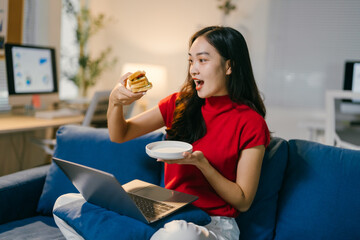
38,227
259,221
320,198
93,222
92,147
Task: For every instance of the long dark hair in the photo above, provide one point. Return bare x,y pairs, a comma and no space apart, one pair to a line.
188,123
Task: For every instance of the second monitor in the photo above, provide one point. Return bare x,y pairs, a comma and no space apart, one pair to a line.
31,70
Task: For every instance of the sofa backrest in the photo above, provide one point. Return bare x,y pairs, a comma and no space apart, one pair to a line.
259,221
92,147
320,197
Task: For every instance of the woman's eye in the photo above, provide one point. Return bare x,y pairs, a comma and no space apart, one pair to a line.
190,61
202,60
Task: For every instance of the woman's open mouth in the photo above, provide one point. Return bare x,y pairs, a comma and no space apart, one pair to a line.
198,83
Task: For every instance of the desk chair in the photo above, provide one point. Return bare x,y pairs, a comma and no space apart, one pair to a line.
339,131
95,116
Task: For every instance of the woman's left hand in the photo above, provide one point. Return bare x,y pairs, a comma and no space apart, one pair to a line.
195,158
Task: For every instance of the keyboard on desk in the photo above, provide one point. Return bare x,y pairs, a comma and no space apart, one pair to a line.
58,113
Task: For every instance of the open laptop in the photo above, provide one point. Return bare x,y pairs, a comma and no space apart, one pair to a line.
137,199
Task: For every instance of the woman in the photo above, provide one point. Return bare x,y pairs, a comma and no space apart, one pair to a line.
220,112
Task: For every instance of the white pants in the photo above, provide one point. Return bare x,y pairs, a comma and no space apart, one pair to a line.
220,228
68,232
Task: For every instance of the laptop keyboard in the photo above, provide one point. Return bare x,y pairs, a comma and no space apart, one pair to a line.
150,208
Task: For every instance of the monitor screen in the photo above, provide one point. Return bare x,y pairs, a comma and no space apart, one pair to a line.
30,69
352,76
351,83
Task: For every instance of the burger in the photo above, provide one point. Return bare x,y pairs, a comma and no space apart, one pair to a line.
138,82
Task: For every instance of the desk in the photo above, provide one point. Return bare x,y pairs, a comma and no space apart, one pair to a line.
17,131
20,123
340,136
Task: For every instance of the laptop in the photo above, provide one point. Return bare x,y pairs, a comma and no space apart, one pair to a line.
143,201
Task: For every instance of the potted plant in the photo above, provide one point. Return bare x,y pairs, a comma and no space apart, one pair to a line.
89,68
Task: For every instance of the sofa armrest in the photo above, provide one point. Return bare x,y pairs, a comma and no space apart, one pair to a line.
20,193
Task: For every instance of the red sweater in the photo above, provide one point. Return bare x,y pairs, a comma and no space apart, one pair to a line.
230,128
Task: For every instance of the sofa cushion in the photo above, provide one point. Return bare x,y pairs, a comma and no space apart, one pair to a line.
39,227
320,198
259,221
92,147
93,222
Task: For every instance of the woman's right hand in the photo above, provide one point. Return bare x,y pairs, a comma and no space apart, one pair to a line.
120,95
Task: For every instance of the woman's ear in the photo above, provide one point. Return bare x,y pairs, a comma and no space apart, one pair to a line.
228,67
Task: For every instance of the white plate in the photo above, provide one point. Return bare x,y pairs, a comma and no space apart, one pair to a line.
168,150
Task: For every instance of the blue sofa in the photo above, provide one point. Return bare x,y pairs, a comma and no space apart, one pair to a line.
307,191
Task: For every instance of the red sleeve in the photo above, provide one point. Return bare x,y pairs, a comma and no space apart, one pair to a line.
254,133
167,108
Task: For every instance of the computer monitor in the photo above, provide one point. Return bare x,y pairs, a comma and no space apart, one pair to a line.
31,71
352,76
351,83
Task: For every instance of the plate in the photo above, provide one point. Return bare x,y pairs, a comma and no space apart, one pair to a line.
168,150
